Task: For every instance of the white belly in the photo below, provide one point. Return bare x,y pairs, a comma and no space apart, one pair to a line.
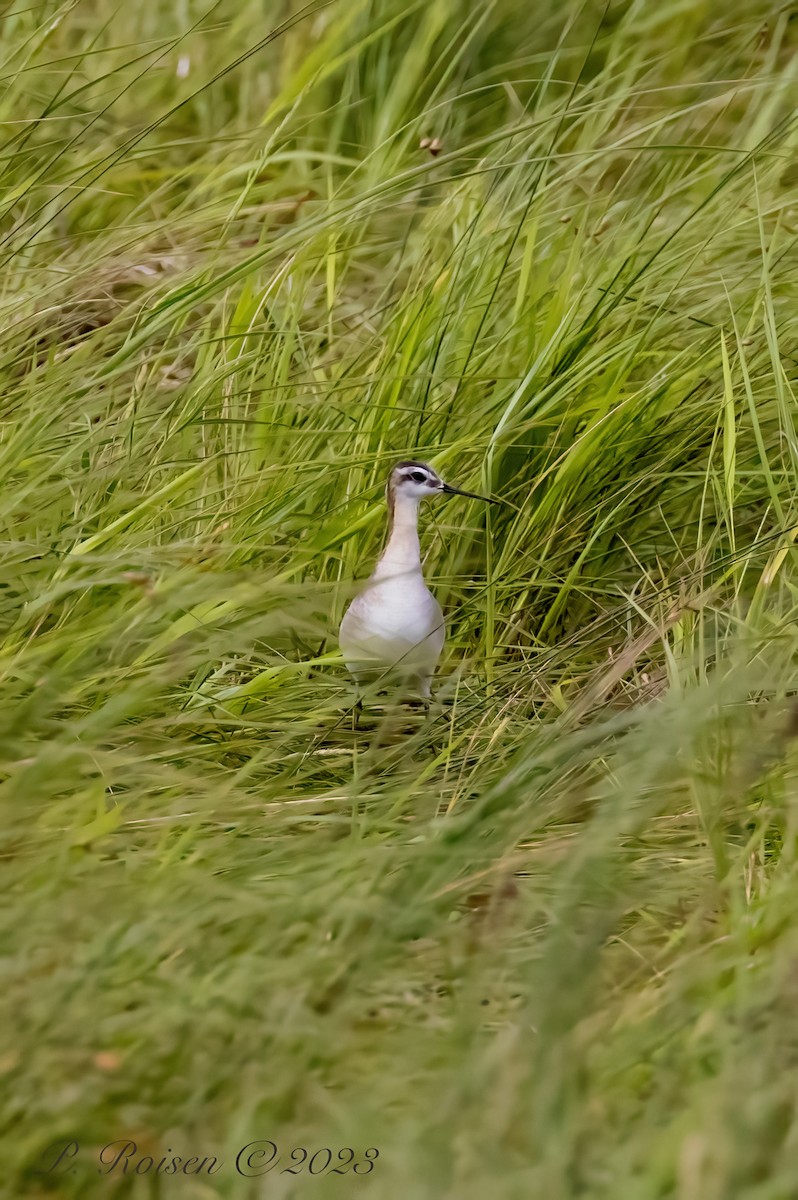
394,628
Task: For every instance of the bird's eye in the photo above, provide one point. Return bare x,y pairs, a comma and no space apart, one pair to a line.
418,477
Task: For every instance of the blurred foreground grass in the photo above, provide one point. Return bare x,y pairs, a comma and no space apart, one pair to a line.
542,945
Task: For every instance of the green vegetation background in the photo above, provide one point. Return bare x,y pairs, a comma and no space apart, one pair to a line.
543,944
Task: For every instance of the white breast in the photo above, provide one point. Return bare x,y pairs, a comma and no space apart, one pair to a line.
394,628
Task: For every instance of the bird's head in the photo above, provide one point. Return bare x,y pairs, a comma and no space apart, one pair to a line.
418,481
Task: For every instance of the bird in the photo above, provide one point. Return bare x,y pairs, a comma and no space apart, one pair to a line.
394,629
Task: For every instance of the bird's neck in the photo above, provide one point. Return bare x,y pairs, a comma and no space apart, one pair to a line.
402,553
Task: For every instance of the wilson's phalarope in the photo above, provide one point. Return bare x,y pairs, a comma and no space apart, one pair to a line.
394,630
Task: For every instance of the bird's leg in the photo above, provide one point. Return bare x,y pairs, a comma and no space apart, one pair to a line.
357,712
422,697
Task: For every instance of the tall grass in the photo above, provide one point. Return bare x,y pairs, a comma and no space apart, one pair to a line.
540,944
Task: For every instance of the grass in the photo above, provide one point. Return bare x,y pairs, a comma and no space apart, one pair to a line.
542,944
